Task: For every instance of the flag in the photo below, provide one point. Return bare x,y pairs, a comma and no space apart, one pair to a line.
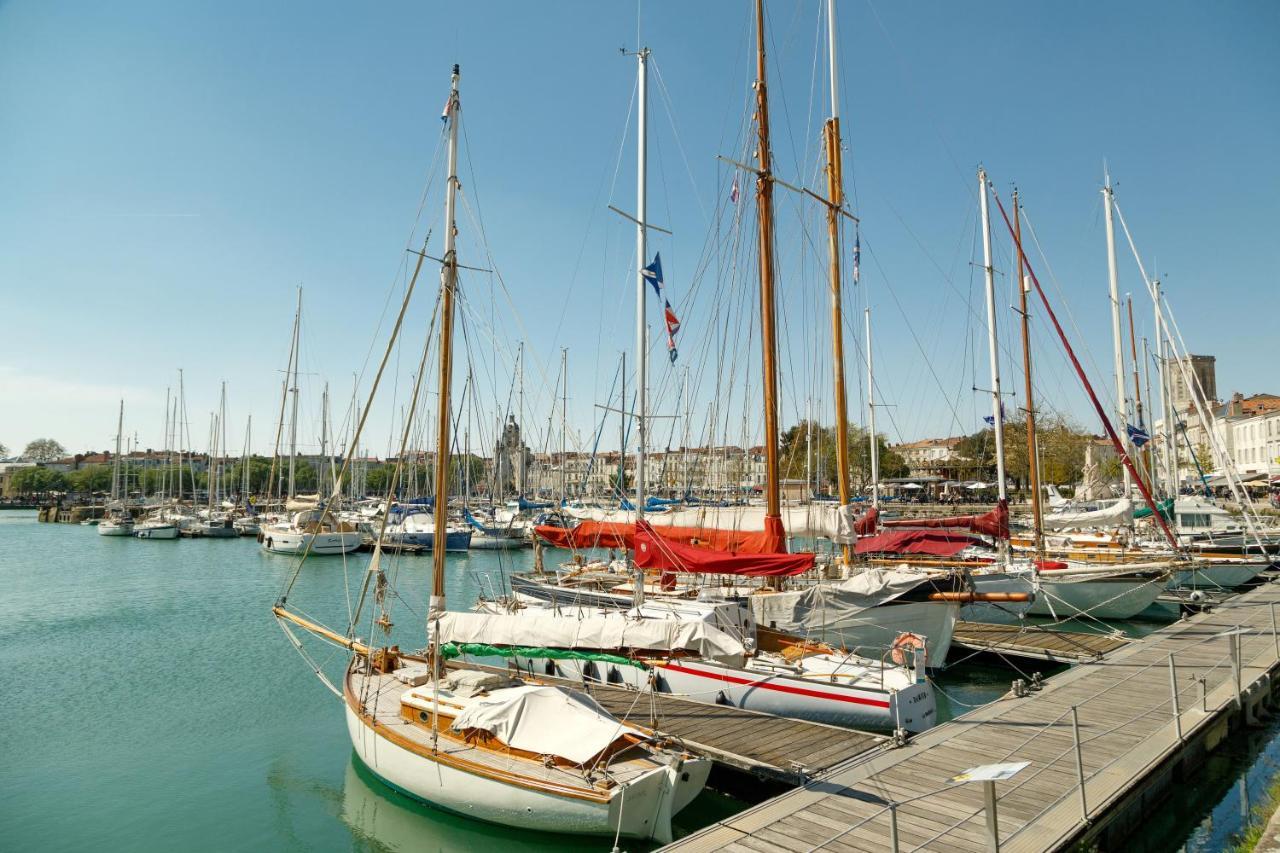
444,114
671,350
857,257
733,193
991,419
673,322
653,273
1137,435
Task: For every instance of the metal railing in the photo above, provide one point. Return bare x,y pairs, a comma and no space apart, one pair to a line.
1071,758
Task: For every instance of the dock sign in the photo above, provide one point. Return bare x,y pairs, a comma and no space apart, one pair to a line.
990,773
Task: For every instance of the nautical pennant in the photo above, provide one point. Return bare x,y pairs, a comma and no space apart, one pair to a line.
1137,435
444,115
673,323
991,419
857,257
653,273
733,193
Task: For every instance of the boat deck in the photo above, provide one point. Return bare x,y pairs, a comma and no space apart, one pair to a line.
381,695
768,747
1130,738
1040,643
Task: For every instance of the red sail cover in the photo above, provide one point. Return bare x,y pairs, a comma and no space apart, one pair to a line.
916,542
612,534
994,523
866,523
655,551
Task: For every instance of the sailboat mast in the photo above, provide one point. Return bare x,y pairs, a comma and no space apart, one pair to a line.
1033,454
835,201
1166,399
989,273
293,389
1143,454
871,416
564,423
642,353
448,285
115,468
244,460
768,341
1122,418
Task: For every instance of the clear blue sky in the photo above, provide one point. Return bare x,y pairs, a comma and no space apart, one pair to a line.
170,172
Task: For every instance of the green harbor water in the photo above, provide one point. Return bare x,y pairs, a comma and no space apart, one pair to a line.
151,702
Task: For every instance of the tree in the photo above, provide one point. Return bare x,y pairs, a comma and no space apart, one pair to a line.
44,450
259,472
1061,449
820,452
4,451
36,480
92,478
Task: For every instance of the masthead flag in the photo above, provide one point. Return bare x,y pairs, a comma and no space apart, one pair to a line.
653,274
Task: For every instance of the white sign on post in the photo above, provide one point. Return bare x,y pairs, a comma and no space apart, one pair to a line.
990,773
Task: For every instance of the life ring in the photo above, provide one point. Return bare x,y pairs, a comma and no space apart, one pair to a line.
905,641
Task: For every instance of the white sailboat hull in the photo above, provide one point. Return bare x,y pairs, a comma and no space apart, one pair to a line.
644,812
159,531
115,528
1225,575
324,543
875,629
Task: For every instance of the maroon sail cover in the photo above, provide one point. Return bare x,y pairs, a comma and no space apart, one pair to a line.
654,551
994,523
865,524
930,542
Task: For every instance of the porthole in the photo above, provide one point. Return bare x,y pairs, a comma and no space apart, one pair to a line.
424,716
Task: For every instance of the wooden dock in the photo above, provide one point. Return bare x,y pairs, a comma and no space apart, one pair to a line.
1128,726
779,750
1041,643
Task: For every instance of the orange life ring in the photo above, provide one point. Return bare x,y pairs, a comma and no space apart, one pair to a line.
905,641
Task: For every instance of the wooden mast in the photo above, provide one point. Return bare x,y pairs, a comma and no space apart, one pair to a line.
835,201
768,342
1037,513
448,286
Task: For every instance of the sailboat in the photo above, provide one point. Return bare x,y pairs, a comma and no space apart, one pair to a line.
485,744
791,673
118,521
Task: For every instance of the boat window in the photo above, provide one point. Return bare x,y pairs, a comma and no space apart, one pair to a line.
1193,520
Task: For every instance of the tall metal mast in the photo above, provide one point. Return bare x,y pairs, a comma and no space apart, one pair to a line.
115,467
997,410
1166,398
1122,417
642,254
564,422
1033,450
768,341
871,416
835,201
448,286
293,389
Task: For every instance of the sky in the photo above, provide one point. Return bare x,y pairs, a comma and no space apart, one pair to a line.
171,173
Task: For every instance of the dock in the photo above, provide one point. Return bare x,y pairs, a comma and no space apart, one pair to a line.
772,749
1105,740
1040,643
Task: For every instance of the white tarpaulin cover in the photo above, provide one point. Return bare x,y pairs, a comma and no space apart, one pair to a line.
1118,514
552,630
828,605
813,521
544,720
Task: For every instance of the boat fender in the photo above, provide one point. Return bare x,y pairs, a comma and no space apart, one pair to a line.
904,642
1050,565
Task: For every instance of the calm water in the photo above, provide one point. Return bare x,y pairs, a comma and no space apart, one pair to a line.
151,703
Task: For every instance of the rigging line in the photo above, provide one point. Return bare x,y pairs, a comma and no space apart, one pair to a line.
675,132
346,462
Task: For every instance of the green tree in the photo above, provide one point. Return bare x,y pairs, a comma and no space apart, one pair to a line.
1061,447
259,473
44,450
36,480
4,451
798,455
92,478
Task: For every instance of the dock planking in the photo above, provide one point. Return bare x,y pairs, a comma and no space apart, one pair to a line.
1030,641
1127,736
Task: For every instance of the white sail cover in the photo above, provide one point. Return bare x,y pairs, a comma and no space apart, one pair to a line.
544,720
552,630
1118,514
813,521
823,606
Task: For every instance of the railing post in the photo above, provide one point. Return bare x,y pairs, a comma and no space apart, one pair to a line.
893,827
993,823
1235,668
1075,730
1204,694
1275,636
1173,688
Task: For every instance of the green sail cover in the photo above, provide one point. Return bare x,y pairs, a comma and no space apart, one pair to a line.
1165,507
453,650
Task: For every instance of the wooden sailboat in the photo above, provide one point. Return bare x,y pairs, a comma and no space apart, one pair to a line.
118,521
485,744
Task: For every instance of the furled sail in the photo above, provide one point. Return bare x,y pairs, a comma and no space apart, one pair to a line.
656,550
994,523
1118,514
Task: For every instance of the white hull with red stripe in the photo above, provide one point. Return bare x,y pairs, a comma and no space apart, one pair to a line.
822,688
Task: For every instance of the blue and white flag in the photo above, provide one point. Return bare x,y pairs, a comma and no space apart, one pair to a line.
1137,435
653,273
991,419
857,257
